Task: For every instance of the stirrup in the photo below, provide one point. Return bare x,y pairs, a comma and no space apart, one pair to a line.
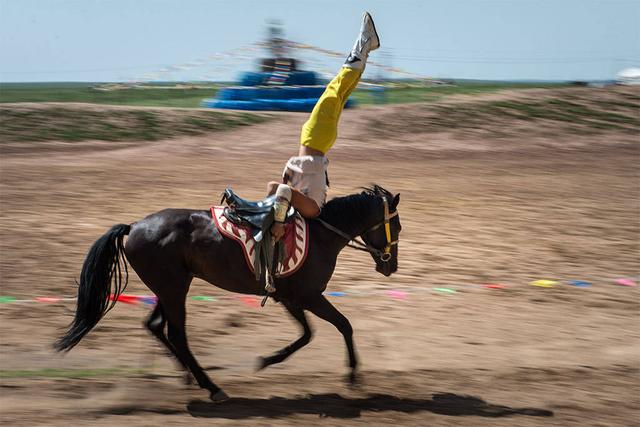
270,290
268,286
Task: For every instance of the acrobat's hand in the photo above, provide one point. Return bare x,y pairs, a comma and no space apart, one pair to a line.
277,230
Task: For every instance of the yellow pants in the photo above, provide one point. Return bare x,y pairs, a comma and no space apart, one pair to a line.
321,130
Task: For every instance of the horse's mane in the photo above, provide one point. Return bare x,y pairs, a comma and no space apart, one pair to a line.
376,190
361,203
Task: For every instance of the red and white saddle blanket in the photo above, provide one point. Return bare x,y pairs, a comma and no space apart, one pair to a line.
296,241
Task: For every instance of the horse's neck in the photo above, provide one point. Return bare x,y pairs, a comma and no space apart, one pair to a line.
355,222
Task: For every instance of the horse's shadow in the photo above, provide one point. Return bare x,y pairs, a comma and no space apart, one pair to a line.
334,405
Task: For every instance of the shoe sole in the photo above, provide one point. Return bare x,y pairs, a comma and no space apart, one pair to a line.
374,28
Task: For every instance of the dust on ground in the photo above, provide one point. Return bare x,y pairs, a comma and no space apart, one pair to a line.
506,201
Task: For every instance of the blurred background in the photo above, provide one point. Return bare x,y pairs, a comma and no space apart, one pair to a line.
510,129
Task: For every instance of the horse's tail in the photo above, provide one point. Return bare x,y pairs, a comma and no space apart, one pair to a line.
101,280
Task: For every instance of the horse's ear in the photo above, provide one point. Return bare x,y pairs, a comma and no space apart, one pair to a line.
396,200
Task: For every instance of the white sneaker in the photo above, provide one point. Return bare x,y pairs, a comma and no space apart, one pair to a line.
366,42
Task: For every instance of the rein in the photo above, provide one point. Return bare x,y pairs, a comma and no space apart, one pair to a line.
385,254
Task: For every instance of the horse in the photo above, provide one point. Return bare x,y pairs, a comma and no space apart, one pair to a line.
167,249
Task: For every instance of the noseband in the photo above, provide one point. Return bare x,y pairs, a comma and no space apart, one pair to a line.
384,254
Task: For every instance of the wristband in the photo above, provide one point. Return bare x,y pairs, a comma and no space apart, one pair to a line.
280,209
284,192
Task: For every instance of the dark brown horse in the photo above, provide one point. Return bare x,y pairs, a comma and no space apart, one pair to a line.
169,248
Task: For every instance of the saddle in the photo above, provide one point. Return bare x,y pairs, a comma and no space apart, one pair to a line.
257,215
258,218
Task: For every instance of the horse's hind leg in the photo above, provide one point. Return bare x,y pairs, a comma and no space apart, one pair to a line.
156,323
326,311
174,309
298,313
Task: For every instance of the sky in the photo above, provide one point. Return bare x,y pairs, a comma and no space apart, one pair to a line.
125,40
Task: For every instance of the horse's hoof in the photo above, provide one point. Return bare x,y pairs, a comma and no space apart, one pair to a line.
261,363
219,396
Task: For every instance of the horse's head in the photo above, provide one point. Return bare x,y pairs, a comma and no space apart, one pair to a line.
383,236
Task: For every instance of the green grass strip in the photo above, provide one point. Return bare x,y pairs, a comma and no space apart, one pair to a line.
72,124
203,298
60,92
445,290
191,97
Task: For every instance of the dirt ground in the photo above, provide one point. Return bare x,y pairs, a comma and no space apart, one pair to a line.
477,207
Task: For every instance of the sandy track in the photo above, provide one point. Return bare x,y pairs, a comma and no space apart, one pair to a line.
474,209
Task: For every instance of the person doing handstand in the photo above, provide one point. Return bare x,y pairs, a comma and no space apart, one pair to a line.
304,180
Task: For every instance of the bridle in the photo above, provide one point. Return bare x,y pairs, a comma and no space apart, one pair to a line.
384,254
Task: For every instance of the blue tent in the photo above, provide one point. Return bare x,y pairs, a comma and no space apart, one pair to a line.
298,92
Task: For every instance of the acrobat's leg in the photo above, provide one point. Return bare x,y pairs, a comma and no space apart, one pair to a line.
321,129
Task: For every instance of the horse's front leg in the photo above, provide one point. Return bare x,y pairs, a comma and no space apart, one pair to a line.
326,311
298,313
